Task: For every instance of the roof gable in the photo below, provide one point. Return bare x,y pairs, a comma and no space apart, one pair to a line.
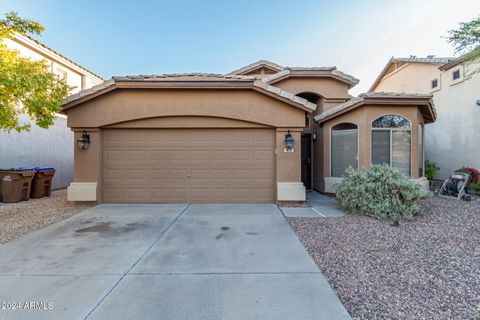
424,101
251,68
395,63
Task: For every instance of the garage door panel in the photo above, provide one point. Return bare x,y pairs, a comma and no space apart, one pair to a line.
185,165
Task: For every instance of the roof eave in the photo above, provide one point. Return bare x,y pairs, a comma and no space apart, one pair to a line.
111,85
310,74
430,114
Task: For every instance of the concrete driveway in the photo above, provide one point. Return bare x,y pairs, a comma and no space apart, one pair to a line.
165,261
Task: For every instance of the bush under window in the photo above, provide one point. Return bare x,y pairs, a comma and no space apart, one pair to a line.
381,192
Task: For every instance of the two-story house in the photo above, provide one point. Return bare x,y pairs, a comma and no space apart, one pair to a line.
455,85
50,147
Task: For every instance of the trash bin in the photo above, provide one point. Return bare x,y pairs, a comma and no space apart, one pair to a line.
15,185
42,182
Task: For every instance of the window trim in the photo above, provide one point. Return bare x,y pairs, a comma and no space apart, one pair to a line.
330,145
434,87
391,138
460,78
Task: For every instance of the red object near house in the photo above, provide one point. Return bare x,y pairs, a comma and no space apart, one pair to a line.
474,173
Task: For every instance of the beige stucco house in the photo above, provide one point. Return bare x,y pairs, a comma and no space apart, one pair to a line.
50,147
228,138
455,86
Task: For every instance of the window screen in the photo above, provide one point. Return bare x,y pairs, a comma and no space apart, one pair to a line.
401,151
344,150
381,146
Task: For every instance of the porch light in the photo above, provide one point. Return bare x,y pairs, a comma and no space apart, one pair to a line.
289,142
84,141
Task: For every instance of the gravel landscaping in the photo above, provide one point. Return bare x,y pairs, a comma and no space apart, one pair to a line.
18,219
425,269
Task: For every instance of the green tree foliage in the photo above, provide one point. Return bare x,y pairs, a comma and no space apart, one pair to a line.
26,86
466,37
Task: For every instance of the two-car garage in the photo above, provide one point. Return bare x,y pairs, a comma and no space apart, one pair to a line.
186,139
188,165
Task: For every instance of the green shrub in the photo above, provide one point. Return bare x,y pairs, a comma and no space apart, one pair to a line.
380,192
431,168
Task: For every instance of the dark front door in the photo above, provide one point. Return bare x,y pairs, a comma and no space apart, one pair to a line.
307,161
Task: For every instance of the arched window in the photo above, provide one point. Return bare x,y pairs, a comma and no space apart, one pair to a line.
344,148
391,142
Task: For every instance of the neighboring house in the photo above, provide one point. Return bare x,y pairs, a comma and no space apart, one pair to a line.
455,85
50,147
228,138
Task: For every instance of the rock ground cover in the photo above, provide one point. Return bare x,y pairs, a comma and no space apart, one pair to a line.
424,269
18,219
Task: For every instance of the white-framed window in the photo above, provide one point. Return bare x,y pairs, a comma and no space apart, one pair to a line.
391,142
343,148
434,84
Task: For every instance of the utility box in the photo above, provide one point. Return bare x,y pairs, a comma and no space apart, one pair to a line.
42,182
15,185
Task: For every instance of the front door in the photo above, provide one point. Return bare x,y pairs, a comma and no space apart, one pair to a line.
307,161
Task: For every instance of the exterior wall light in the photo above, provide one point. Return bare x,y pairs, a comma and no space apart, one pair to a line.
84,141
289,143
314,136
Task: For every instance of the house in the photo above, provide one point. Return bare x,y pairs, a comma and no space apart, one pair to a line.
454,84
262,133
50,147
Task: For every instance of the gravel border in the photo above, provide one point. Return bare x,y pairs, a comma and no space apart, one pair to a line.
425,269
18,219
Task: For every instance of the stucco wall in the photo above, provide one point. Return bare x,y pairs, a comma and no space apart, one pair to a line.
41,148
452,141
167,108
410,78
363,118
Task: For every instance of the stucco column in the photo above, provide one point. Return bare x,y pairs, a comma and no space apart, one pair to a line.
86,185
289,166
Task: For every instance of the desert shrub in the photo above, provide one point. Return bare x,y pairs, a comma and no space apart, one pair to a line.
431,168
380,192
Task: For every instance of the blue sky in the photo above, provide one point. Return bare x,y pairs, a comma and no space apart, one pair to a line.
144,37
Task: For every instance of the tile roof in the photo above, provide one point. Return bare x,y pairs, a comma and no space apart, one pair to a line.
22,38
357,101
314,71
475,53
198,78
256,65
412,59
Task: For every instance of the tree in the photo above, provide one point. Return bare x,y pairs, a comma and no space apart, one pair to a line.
26,86
466,37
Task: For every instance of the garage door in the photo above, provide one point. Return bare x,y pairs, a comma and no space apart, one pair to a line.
188,165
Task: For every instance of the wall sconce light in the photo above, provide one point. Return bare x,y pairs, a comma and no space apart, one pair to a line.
84,141
314,136
289,143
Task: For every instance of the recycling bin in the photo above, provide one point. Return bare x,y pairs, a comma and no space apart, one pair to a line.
42,182
15,185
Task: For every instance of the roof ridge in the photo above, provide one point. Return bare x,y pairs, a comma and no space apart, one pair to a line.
254,65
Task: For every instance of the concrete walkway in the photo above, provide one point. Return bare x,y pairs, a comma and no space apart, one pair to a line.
321,206
174,261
